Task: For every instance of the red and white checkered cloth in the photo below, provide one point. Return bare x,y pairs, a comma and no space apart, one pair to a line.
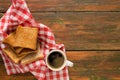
19,14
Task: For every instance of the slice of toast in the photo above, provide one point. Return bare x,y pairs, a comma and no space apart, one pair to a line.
26,37
33,57
12,55
10,39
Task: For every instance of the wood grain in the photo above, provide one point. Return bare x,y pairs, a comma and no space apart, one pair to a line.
84,30
87,64
67,5
73,78
15,77
88,28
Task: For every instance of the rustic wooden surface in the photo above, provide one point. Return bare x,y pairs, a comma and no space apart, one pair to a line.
88,28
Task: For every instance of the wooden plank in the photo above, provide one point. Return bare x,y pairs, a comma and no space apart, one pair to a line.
67,5
79,31
88,65
73,78
17,77
84,30
95,63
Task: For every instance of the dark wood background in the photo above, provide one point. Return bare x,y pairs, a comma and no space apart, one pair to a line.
90,30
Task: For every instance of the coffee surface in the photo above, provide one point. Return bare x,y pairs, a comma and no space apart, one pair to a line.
55,60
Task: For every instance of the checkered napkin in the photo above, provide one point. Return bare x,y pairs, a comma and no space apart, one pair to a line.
19,14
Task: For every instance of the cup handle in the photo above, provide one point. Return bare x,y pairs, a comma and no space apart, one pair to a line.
69,63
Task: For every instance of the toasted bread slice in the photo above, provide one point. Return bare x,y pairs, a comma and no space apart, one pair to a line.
12,55
10,39
33,57
26,37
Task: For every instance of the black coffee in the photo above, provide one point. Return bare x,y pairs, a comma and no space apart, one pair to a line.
55,59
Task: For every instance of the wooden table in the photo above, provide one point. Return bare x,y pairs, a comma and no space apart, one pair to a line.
90,30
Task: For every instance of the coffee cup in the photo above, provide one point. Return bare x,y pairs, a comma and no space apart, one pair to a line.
56,60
